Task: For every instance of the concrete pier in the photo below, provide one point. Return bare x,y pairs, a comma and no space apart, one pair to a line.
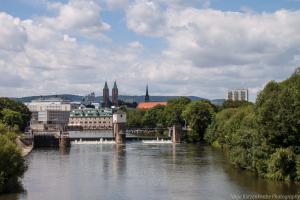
177,134
64,142
119,127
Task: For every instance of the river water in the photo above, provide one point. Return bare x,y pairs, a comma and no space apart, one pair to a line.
139,171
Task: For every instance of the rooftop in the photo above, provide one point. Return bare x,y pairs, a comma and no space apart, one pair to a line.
91,112
149,105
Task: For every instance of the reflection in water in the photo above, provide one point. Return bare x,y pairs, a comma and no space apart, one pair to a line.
255,184
139,171
118,161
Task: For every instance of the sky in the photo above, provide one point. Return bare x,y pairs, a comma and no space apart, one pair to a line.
177,47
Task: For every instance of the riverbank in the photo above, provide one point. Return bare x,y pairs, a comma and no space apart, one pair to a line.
25,149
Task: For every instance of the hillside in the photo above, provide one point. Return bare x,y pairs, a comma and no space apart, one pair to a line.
126,98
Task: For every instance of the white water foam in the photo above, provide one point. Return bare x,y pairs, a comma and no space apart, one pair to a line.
101,141
157,141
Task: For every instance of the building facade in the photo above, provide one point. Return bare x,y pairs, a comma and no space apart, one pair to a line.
91,119
105,97
49,114
237,95
115,94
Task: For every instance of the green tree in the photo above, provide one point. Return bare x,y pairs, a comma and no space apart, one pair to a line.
12,118
6,103
282,164
135,118
12,164
154,117
278,112
216,131
235,104
198,115
173,110
265,137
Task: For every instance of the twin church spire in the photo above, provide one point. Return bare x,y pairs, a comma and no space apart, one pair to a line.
115,93
106,103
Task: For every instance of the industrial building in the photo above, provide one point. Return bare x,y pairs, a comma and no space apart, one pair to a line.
49,114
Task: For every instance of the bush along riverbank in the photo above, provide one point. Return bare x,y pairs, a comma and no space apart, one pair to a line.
264,137
13,119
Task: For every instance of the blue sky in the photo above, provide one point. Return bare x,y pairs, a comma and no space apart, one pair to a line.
28,9
179,47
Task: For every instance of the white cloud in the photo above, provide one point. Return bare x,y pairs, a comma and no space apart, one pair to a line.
136,45
77,17
206,52
111,4
51,61
145,17
12,35
67,38
226,38
186,3
248,48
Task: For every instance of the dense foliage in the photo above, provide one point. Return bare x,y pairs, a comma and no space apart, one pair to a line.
264,137
159,116
12,164
174,110
14,116
197,115
14,113
235,104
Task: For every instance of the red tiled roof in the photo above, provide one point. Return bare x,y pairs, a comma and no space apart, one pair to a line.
149,105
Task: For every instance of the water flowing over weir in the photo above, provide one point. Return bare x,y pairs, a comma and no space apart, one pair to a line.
107,137
105,141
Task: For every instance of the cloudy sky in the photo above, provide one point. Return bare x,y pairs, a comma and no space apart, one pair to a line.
179,47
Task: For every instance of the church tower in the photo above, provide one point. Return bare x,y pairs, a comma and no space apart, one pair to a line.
147,97
105,98
115,94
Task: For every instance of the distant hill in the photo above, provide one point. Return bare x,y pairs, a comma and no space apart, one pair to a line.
70,97
125,98
217,102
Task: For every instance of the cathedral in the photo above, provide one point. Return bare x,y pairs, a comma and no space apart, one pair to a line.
106,103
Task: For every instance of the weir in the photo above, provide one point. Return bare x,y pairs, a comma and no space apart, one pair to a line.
60,139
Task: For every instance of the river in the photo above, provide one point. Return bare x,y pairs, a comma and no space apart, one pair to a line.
139,171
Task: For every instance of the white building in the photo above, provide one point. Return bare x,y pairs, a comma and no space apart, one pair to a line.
51,113
237,95
91,119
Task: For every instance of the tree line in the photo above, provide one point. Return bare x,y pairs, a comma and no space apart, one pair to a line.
263,136
14,117
196,114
